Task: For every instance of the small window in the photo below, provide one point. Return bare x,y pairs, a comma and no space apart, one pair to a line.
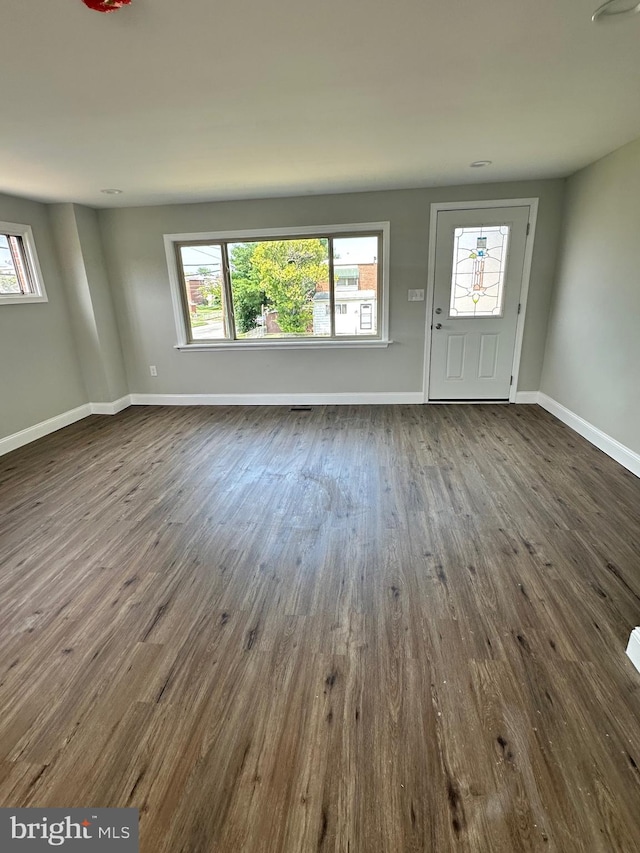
260,287
20,279
347,278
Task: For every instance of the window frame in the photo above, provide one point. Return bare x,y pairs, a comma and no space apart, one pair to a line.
13,229
178,297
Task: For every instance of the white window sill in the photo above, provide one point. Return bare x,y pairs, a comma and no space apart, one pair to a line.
281,345
21,300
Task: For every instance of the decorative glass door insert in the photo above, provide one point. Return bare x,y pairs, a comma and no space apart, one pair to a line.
479,267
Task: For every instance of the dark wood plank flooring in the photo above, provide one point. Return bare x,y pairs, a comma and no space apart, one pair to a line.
355,629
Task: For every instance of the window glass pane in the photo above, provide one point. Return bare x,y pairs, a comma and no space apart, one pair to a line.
355,273
202,275
13,276
281,288
479,264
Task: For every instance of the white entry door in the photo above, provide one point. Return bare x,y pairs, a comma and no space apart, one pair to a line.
479,260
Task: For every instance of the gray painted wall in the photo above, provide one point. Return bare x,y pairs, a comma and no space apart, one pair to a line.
136,261
79,249
593,345
44,348
39,372
83,321
102,301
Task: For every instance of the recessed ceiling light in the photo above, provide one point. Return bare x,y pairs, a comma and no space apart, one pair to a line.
478,164
615,9
111,192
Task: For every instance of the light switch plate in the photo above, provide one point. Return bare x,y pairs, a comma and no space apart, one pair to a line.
416,296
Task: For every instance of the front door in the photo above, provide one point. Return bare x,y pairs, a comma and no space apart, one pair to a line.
479,259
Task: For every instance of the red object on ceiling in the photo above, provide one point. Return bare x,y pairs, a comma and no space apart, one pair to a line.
106,5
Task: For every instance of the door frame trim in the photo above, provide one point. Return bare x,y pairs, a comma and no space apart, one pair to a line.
436,207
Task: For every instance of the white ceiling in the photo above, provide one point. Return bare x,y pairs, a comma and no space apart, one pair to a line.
186,100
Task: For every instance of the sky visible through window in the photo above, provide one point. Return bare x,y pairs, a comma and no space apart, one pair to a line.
350,250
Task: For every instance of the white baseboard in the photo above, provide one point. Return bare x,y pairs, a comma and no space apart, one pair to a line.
111,408
33,433
622,454
633,649
613,448
527,396
348,399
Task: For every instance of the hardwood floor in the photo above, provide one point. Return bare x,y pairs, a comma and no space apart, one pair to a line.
355,629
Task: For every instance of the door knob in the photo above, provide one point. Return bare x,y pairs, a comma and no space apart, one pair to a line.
438,325
438,310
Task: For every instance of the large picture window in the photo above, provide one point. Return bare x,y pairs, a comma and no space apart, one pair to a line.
281,287
20,278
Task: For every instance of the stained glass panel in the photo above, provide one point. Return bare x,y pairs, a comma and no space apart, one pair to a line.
479,265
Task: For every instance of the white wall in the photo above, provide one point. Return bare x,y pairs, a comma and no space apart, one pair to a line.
136,261
592,361
39,371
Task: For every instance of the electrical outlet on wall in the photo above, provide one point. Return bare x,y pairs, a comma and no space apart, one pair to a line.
153,370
